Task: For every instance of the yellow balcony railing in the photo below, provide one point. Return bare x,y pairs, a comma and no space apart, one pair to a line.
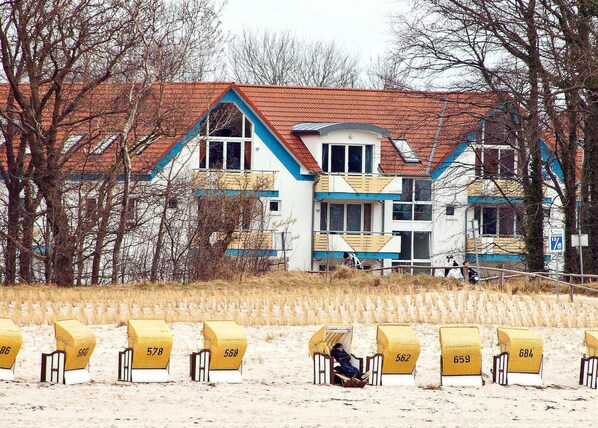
365,242
358,183
252,240
234,180
498,187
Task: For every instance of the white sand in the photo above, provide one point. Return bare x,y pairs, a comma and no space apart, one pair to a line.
278,389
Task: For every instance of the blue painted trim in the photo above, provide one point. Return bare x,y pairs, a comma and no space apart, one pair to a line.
260,129
549,158
250,253
361,255
500,257
260,193
452,156
500,200
368,196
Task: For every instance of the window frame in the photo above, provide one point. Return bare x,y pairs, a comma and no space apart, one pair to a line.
365,158
325,206
411,197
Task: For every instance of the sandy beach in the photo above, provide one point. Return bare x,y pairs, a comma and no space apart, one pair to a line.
278,390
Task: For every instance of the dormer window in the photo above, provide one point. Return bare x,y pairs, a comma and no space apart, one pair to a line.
496,145
104,143
347,158
70,142
405,150
227,135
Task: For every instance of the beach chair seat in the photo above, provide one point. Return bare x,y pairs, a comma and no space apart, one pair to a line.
461,356
321,344
11,341
521,358
221,360
69,363
147,359
588,373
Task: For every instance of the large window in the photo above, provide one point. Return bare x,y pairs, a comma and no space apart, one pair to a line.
345,158
415,202
497,220
345,217
226,142
495,151
415,250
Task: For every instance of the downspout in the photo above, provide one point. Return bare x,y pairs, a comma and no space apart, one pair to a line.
438,128
313,215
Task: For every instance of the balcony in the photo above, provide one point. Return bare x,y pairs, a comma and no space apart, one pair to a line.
262,183
358,186
494,191
252,243
363,244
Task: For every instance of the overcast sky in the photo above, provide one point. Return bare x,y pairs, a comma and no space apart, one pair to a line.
357,25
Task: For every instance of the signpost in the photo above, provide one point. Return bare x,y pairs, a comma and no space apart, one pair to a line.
475,233
580,240
556,241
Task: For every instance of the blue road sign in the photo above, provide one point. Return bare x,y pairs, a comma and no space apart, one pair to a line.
556,241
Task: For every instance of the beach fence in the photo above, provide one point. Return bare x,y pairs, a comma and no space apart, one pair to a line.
147,359
221,360
69,363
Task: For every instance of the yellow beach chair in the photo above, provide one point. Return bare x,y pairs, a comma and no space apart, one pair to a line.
588,373
461,356
520,360
10,344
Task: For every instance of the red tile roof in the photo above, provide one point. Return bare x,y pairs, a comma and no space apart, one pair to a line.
432,122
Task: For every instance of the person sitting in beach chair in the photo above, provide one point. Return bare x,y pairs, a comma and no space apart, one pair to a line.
345,367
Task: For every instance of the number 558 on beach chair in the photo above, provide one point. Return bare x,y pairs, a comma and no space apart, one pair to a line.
69,364
320,346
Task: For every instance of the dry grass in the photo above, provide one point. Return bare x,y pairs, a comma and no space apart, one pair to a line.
303,299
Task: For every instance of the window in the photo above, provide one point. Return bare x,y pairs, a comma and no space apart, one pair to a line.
70,142
227,139
406,151
495,149
173,203
142,144
345,217
416,201
132,211
415,250
91,206
347,159
450,210
104,143
274,206
497,220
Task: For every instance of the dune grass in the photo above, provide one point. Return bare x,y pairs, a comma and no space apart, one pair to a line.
298,298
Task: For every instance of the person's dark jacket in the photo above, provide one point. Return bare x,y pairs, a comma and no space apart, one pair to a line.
341,357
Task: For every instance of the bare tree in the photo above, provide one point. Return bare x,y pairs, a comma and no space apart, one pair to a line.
281,58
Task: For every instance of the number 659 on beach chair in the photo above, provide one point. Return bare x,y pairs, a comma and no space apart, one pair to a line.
221,360
588,373
320,346
10,344
147,359
461,356
69,364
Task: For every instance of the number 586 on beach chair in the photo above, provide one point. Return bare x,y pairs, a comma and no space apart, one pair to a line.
10,344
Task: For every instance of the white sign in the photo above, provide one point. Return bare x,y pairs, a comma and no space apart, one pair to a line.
576,238
556,241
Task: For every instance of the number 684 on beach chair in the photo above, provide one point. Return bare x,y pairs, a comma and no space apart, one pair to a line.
320,346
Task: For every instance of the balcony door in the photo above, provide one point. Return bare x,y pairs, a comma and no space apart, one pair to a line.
345,218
